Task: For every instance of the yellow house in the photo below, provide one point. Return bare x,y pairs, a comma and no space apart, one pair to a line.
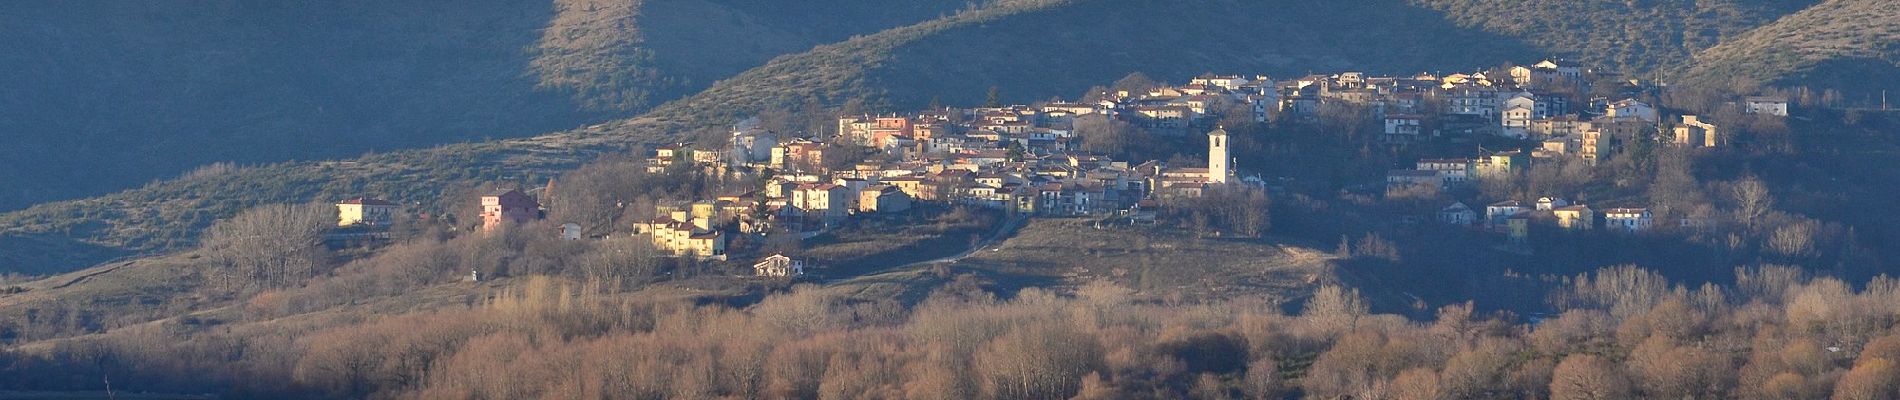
686,232
1574,217
365,211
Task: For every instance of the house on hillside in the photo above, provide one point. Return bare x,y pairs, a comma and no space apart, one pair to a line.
365,211
1551,203
821,200
1452,170
750,144
1631,109
1457,214
1400,180
778,266
664,157
1693,132
1627,219
1404,128
1498,164
508,206
1546,73
1766,105
686,232
1495,213
1577,217
883,198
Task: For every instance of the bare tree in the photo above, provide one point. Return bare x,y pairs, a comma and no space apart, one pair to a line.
1752,200
273,245
1588,377
1334,309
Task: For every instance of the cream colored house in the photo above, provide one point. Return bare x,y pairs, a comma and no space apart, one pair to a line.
365,211
778,266
1695,133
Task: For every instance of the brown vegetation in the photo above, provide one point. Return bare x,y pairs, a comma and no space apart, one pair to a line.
1624,334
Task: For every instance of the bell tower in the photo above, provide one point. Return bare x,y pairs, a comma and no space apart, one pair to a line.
1218,170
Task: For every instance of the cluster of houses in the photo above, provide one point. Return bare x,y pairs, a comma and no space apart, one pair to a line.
500,207
1025,159
1514,218
1536,102
1019,159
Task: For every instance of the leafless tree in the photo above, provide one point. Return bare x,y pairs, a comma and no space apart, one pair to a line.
1752,200
1334,309
1588,377
272,246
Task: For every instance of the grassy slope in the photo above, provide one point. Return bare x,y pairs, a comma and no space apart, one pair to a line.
1634,37
1852,45
1067,253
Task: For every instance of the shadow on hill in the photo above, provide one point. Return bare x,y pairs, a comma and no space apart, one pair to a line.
106,95
1860,80
25,254
1065,51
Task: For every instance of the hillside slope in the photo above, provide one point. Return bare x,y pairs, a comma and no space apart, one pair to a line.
1032,50
1851,45
1628,36
1049,49
895,64
104,96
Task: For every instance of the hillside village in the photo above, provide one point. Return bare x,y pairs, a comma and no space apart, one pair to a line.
1025,160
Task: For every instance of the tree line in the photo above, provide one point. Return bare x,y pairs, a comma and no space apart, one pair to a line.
1622,332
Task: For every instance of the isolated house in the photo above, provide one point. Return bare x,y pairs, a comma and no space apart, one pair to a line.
364,211
778,266
508,206
1766,105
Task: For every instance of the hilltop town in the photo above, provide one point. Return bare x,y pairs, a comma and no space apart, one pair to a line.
1047,160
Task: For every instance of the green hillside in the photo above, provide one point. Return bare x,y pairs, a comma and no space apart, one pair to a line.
104,96
1850,45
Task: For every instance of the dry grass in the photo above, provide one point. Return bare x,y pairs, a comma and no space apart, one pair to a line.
1161,263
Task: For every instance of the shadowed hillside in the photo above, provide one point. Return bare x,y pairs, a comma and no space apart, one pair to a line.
1628,36
103,96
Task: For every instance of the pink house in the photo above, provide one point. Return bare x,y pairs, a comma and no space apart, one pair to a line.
508,205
